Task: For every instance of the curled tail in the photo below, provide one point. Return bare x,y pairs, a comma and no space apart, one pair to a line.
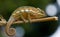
10,31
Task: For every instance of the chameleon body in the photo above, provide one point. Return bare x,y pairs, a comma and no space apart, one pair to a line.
27,13
24,13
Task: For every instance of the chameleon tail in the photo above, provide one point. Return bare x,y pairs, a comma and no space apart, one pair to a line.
10,31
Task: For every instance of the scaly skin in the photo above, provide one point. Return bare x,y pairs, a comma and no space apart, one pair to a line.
23,13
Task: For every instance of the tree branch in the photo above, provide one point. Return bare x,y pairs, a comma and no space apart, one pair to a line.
3,22
39,20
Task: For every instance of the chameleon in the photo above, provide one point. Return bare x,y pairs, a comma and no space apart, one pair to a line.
24,13
27,13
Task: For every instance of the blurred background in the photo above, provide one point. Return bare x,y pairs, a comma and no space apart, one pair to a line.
38,29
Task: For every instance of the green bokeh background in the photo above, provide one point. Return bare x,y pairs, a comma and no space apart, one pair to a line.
8,6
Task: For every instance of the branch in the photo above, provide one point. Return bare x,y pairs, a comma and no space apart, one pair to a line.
3,22
40,20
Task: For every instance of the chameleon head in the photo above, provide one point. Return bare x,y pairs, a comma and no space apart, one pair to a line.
39,13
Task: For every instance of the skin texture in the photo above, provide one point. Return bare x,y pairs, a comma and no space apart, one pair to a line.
27,13
23,13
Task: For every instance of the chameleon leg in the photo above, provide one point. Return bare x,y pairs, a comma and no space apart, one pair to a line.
22,18
29,18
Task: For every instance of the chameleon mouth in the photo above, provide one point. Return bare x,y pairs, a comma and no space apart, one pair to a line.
40,16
